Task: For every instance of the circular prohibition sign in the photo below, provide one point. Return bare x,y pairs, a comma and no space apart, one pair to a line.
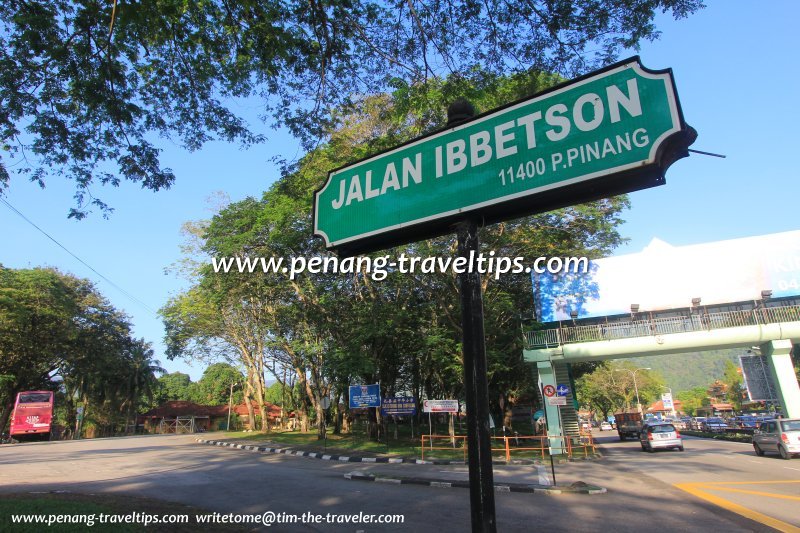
549,390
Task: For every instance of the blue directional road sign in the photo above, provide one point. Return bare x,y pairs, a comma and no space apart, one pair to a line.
562,390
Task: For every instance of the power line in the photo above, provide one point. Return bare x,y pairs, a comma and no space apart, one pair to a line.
84,263
707,153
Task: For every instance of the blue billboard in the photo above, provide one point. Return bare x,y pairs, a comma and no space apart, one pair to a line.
365,396
400,405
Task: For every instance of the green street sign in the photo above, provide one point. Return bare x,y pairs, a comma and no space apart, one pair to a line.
612,131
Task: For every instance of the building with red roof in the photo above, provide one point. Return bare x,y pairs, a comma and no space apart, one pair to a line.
180,416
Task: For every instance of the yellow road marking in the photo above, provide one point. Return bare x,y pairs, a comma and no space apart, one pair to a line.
746,482
695,489
756,493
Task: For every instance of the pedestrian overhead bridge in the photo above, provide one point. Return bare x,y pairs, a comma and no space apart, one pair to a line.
771,325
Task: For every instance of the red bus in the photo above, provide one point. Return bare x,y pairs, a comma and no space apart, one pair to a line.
33,415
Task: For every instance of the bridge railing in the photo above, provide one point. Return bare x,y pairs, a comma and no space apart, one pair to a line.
781,314
698,321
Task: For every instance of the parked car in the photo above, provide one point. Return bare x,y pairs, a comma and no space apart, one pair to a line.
743,422
697,423
781,436
714,424
762,421
657,435
605,426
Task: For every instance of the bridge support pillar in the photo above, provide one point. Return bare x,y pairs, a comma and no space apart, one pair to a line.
547,376
782,370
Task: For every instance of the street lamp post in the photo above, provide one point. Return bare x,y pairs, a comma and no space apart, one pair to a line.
635,386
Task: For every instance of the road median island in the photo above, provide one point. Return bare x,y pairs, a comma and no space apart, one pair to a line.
359,456
578,487
326,455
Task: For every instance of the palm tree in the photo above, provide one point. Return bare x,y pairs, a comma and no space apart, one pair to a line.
141,380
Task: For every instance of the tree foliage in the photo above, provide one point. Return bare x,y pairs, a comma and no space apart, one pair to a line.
613,386
175,386
734,382
58,332
214,386
331,330
693,399
86,86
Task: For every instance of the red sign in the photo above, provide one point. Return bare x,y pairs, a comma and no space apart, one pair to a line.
549,390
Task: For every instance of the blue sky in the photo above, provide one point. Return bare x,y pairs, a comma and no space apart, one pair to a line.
736,67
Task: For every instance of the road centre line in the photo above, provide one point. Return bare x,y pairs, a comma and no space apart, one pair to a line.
695,489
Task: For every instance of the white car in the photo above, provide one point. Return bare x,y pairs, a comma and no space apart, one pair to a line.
781,436
605,426
658,435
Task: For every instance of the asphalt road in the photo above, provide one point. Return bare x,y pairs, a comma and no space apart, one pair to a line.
728,474
641,487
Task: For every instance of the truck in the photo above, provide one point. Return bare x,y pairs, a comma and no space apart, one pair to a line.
629,424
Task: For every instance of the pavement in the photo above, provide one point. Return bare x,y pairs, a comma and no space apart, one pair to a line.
527,476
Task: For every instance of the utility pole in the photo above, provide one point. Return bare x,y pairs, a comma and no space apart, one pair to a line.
635,386
230,403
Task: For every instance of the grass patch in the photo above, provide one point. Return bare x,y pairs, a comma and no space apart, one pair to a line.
80,508
357,443
339,444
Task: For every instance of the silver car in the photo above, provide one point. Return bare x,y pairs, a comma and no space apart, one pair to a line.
657,435
781,436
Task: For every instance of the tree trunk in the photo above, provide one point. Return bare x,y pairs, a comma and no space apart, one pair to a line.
320,421
303,420
508,415
451,430
337,421
264,419
251,413
346,422
81,418
372,425
260,392
6,414
69,420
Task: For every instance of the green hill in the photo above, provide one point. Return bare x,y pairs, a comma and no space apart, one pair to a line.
685,371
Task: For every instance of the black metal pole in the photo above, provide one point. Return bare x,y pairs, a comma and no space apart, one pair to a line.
481,479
